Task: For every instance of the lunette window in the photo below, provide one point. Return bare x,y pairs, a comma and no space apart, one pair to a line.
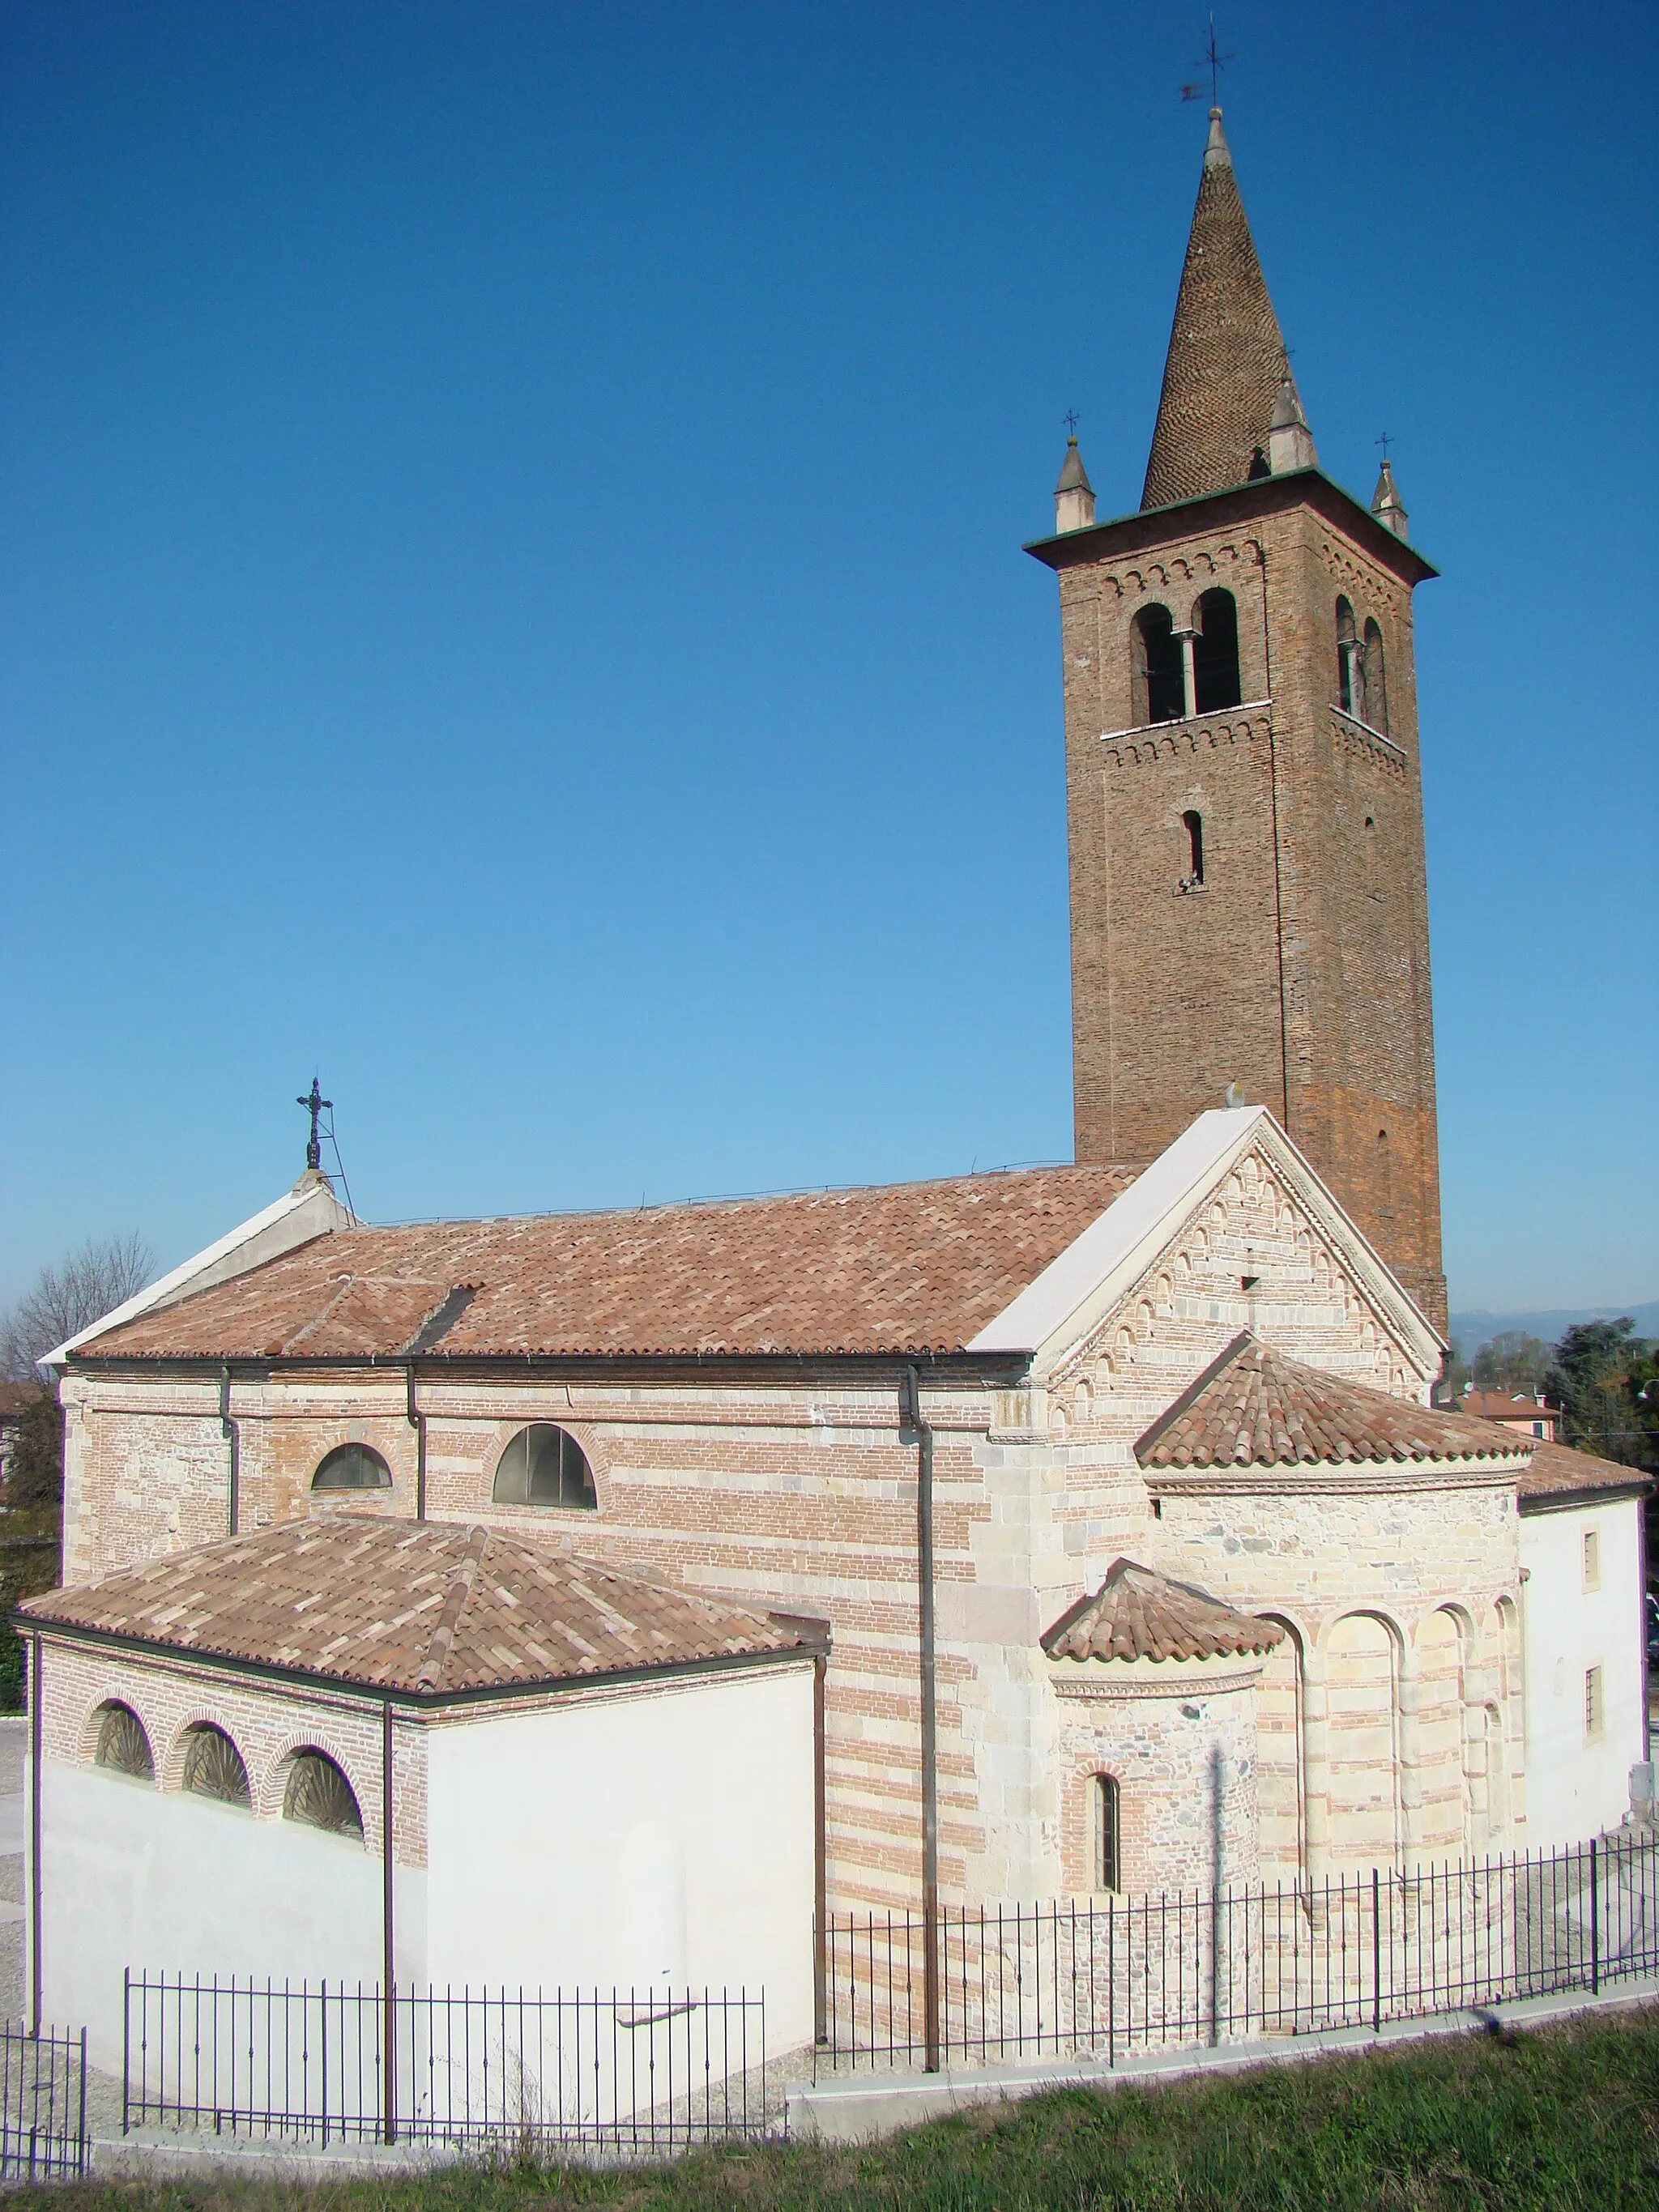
544,1466
352,1466
319,1796
214,1768
123,1746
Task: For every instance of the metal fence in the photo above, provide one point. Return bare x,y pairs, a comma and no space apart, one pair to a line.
43,2104
1193,1968
615,2072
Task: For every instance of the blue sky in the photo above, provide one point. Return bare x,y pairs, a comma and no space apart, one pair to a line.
512,598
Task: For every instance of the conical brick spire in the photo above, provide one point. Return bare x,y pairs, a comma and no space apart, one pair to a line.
1226,358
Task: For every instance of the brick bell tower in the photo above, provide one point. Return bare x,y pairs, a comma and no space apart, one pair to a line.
1249,897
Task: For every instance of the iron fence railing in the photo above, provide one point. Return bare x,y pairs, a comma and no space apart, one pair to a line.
1114,1975
43,2104
617,2071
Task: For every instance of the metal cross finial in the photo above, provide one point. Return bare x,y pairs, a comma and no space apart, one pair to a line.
1385,441
314,1105
1069,419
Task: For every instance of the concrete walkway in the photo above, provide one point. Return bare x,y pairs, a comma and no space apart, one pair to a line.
853,2108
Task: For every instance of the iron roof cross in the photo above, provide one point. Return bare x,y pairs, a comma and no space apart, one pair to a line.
314,1105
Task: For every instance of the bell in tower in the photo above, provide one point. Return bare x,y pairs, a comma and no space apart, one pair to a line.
1249,898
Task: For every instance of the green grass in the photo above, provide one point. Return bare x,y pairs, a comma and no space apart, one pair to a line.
1563,2118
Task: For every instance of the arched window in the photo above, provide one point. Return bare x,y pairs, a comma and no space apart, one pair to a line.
352,1466
1215,653
1376,680
1108,1810
214,1768
1349,675
544,1466
1192,822
318,1795
1160,687
123,1746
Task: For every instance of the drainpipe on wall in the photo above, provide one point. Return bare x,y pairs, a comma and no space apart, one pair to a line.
417,1420
929,1685
35,1702
227,1428
388,1984
820,1858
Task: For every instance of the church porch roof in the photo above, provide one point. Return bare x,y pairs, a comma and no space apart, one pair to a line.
1252,1408
1137,1614
425,1608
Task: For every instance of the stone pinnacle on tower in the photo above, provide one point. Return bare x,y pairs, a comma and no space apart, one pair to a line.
1074,496
1226,360
1386,503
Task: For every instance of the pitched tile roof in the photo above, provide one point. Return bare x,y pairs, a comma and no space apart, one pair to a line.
908,1268
1138,1614
430,1607
1252,1407
1561,1471
1226,357
1505,1406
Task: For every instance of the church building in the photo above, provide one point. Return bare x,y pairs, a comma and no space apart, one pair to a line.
1022,1536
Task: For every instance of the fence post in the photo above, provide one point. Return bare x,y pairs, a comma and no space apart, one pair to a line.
1596,1925
81,2132
1376,1951
126,2040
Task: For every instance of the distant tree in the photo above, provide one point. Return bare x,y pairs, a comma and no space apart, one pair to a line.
30,1536
1511,1362
1603,1377
34,1469
91,1282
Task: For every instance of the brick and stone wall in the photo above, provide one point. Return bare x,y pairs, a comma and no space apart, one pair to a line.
794,1485
1301,969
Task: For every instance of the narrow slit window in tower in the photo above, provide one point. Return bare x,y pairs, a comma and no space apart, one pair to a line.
1193,822
1160,691
1215,653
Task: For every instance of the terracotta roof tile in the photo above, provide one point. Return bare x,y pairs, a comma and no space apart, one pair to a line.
431,1608
1252,1407
910,1267
1504,1406
1560,1470
1138,1614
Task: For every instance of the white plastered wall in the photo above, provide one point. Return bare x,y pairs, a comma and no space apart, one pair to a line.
654,1837
1577,1785
134,1876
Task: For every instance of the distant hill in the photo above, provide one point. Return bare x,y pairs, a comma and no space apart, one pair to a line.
1477,1327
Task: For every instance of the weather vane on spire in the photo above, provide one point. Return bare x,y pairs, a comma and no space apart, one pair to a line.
314,1105
1069,419
1215,61
1385,441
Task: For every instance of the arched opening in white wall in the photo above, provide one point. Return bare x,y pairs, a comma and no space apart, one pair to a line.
123,1746
214,1768
318,1795
1281,1787
1362,1707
